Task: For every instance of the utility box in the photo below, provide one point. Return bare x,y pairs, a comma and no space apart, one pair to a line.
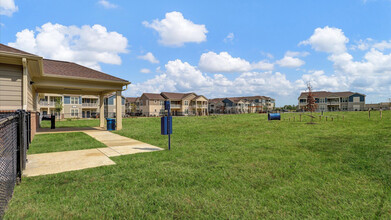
166,125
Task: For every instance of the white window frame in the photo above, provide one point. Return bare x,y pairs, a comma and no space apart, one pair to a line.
74,112
74,100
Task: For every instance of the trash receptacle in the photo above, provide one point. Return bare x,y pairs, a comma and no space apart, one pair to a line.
274,116
110,124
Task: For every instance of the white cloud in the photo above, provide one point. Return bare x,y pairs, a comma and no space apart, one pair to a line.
8,7
222,62
229,38
180,76
262,65
327,39
383,45
145,70
291,62
175,30
225,63
371,75
297,53
362,44
290,59
149,57
107,4
86,45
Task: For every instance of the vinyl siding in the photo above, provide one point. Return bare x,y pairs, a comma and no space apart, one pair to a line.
10,87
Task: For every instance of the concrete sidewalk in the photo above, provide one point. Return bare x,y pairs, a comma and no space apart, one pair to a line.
58,162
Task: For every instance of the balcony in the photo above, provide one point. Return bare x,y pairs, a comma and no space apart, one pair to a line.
333,103
176,105
89,104
46,103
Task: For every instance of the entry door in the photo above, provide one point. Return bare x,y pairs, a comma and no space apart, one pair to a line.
83,114
88,114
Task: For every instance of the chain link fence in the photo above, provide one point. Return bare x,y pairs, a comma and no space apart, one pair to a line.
15,138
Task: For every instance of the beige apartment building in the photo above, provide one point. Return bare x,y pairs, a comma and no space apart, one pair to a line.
335,101
24,76
240,105
73,106
182,104
110,106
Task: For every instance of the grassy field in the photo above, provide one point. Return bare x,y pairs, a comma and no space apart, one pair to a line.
73,123
229,167
45,143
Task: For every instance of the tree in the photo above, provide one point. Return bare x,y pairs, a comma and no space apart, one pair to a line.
133,108
311,103
58,105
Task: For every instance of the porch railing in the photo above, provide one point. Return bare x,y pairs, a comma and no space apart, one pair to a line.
89,105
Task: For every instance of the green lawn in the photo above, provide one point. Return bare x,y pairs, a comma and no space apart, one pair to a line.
229,167
45,143
72,123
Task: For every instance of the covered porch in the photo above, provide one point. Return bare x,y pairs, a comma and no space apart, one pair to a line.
60,78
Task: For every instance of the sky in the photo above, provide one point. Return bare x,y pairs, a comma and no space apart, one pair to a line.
214,48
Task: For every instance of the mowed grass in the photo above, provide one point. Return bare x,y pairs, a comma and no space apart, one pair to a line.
229,167
46,143
72,123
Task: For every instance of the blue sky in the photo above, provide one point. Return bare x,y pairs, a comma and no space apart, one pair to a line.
215,48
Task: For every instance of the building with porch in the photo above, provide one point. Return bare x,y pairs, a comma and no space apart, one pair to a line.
335,101
110,106
240,105
23,76
73,106
182,104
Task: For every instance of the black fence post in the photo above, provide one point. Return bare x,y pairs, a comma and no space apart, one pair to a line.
19,142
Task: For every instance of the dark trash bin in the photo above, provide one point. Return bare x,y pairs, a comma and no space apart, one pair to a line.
274,116
110,124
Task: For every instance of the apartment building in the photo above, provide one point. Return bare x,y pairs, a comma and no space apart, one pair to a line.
335,101
182,104
73,106
131,105
240,105
151,104
110,107
378,106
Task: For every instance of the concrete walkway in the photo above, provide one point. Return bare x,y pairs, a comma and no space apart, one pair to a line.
58,162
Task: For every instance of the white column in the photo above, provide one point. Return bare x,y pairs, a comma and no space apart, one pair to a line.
119,110
101,111
25,85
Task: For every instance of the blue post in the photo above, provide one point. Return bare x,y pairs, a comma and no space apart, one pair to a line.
169,122
168,128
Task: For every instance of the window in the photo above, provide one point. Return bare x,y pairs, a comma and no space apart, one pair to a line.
186,102
74,100
161,102
186,111
155,101
155,109
74,112
356,99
